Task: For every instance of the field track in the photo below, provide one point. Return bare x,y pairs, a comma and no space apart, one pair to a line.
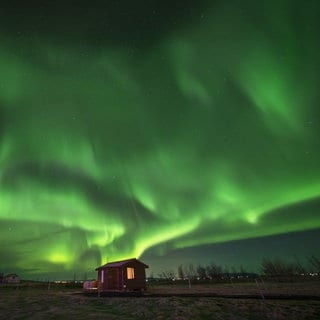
205,295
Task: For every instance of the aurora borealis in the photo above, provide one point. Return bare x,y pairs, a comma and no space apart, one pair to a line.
127,126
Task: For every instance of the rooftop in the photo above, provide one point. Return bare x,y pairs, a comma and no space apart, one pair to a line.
121,263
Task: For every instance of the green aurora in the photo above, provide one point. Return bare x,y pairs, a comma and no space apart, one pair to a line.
209,133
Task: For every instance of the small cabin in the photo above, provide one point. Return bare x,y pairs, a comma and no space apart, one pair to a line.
125,275
11,278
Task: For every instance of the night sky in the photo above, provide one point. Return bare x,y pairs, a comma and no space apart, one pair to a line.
173,131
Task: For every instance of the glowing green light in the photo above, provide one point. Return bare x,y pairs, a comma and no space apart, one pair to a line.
209,135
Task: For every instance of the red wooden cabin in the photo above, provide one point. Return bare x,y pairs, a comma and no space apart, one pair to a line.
125,275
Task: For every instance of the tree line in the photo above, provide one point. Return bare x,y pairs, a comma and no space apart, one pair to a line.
271,269
279,270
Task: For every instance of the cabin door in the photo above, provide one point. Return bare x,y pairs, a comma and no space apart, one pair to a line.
113,278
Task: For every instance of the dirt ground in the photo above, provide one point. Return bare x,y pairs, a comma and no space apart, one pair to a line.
41,303
310,288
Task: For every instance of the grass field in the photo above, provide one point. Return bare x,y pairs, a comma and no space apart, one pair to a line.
30,302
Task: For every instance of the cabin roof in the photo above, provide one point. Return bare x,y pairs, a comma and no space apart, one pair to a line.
117,264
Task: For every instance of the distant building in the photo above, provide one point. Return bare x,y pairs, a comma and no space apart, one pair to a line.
11,278
125,275
1,277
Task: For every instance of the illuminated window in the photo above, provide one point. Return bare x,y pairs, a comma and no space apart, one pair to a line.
102,276
130,273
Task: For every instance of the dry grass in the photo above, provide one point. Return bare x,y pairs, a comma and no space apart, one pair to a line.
39,303
250,288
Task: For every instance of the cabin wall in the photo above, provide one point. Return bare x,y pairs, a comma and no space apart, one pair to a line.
110,279
115,278
102,284
139,281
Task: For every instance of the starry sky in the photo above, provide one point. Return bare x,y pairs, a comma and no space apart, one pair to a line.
171,131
